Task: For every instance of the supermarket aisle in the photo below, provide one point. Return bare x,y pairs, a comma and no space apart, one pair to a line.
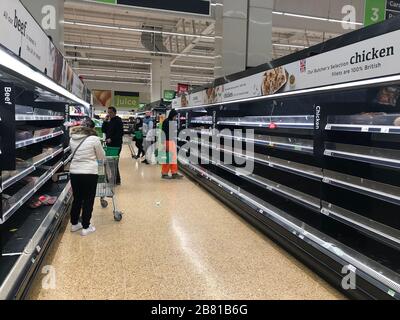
175,242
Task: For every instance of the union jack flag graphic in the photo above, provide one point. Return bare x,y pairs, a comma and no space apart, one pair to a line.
303,66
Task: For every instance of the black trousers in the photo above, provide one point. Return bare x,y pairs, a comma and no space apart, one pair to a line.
118,174
139,145
84,190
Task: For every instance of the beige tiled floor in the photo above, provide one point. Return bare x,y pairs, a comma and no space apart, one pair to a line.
175,242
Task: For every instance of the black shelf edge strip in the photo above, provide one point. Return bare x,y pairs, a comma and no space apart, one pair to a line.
363,128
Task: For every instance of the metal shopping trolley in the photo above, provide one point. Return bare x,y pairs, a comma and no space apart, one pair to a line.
107,180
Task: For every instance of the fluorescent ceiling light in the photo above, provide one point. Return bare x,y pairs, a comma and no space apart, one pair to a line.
111,70
15,65
190,67
314,18
190,82
120,82
108,60
305,17
289,45
137,51
138,30
109,76
191,76
141,73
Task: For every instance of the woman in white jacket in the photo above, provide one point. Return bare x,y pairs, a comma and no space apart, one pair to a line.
84,175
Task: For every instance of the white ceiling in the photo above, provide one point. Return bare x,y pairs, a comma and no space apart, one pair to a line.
106,46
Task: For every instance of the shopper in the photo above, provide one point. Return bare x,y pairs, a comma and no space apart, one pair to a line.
148,126
139,138
87,151
113,128
170,134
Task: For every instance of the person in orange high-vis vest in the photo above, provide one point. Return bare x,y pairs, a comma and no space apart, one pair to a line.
170,132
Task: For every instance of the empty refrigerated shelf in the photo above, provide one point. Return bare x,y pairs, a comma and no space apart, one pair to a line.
367,187
304,170
376,156
285,122
376,229
366,122
283,143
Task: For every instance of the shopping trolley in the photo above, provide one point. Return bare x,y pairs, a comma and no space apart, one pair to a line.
107,180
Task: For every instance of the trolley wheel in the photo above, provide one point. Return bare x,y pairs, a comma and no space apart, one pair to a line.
117,216
104,203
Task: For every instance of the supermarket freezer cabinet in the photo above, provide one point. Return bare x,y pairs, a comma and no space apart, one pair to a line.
34,203
325,179
341,182
34,148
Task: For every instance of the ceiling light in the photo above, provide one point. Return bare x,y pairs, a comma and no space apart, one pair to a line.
190,82
305,17
289,45
111,70
191,76
315,18
120,82
138,30
11,63
137,51
141,73
108,60
109,76
190,67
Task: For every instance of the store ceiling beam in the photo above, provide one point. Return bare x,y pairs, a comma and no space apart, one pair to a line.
209,29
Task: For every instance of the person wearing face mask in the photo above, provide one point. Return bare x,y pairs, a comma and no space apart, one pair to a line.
113,128
170,134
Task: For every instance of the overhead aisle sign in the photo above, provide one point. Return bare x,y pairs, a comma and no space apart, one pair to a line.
187,6
392,8
126,100
380,10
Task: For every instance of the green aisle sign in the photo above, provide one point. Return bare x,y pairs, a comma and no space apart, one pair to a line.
126,100
169,95
375,11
